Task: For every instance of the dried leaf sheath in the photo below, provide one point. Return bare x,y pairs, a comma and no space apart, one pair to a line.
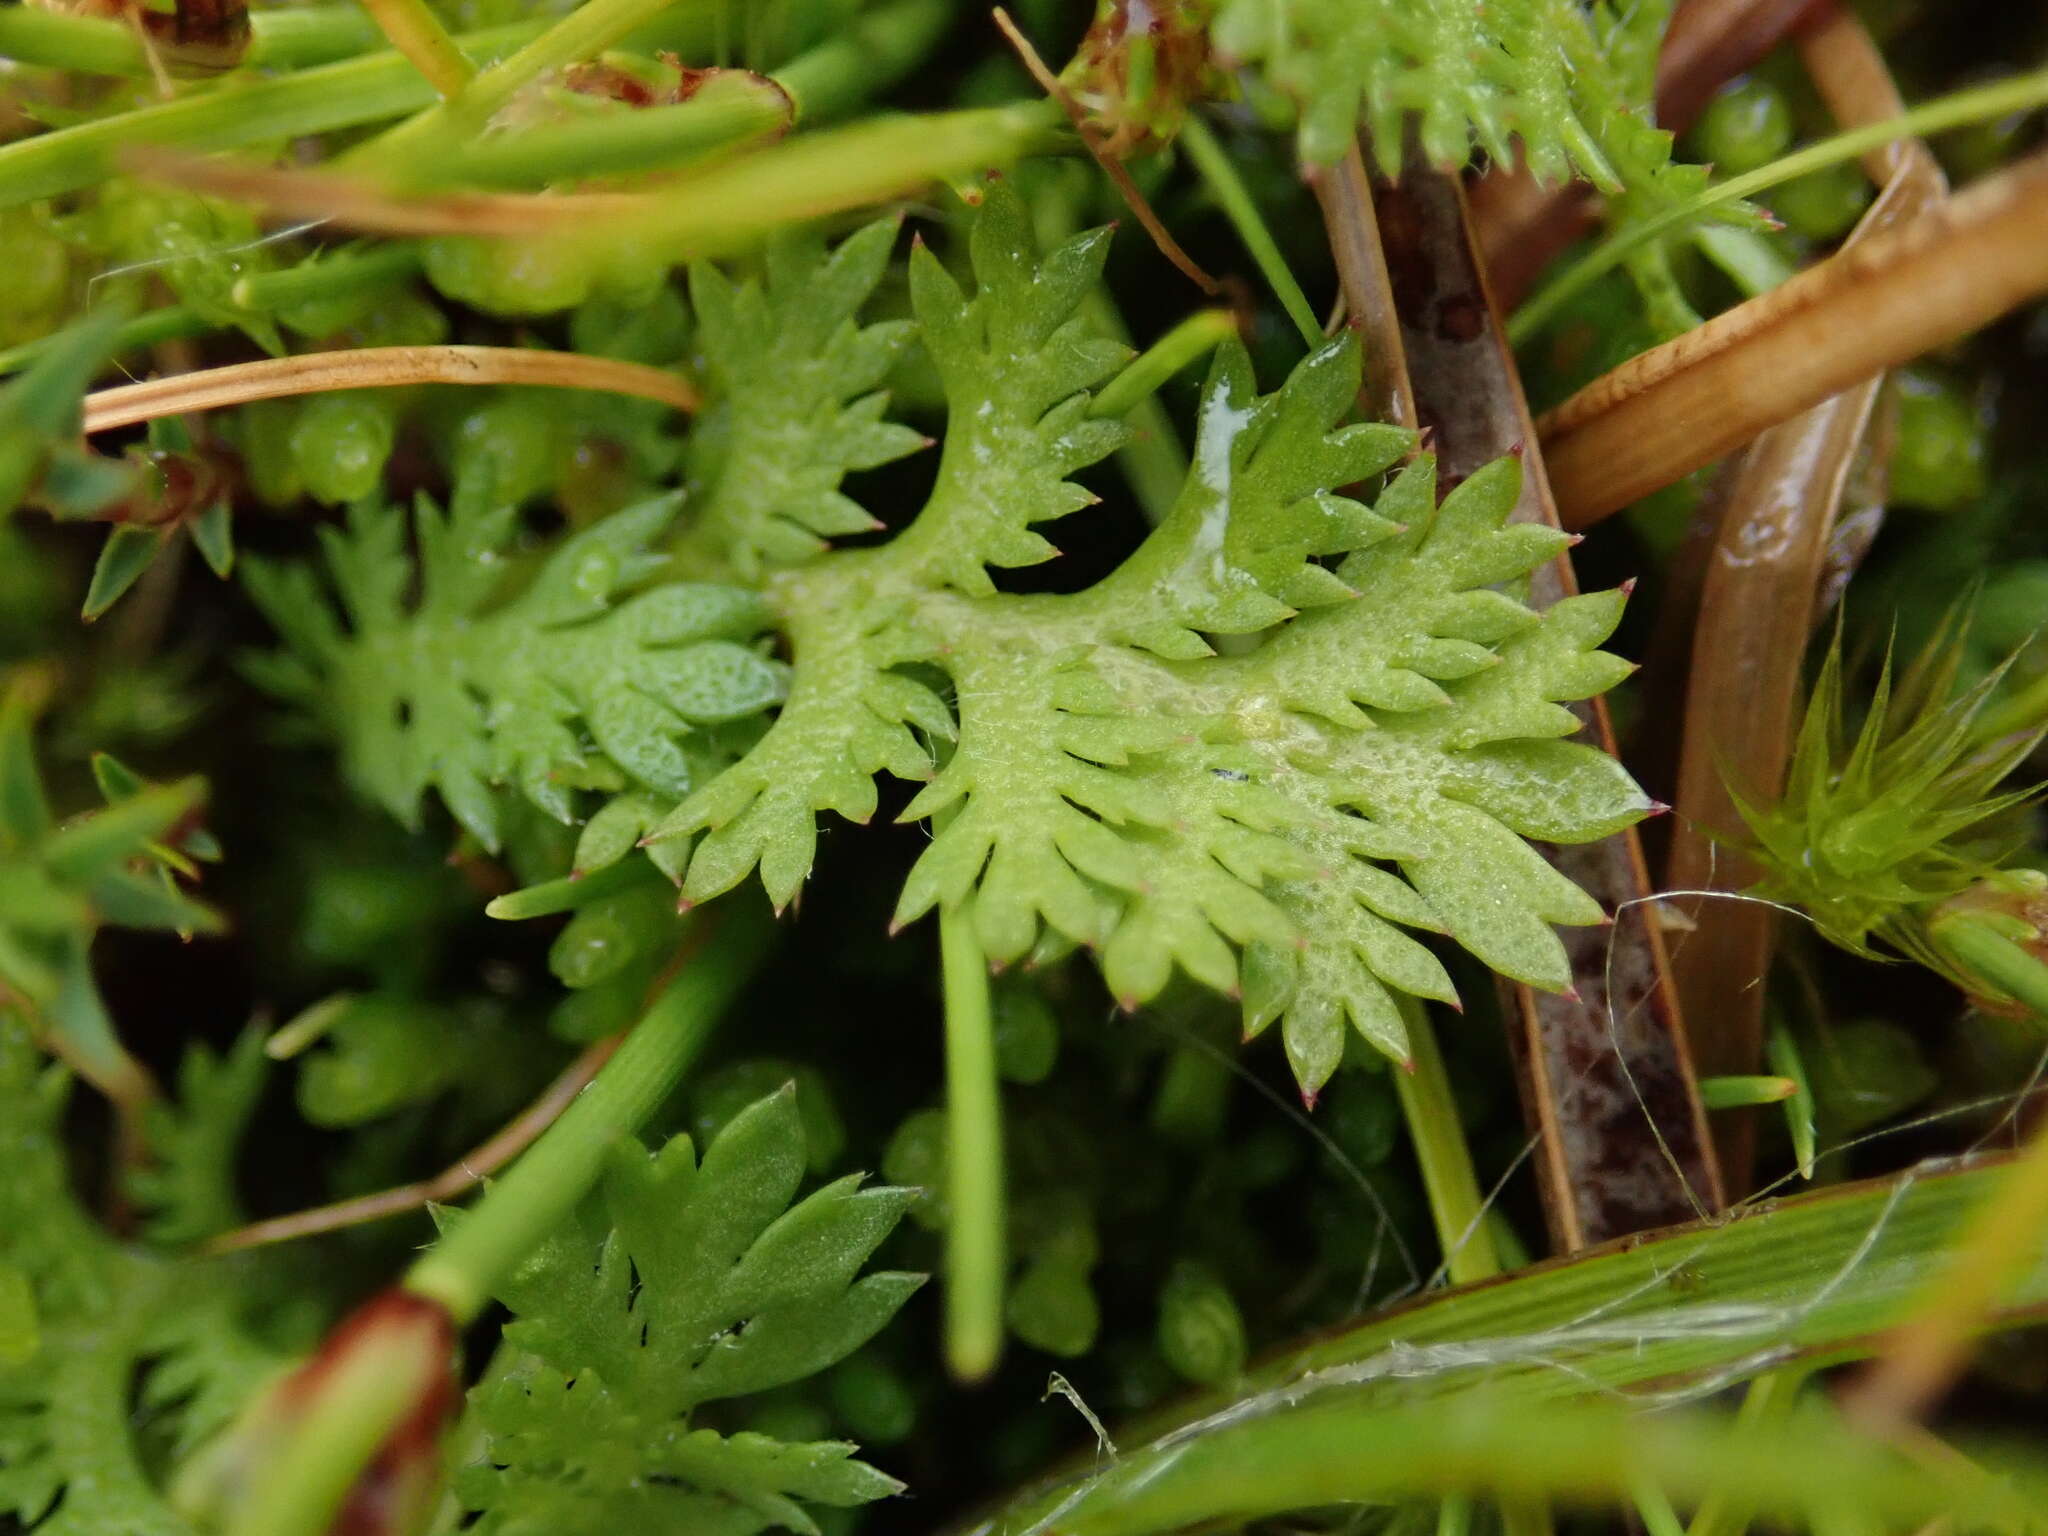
1608,1080
1879,303
1760,601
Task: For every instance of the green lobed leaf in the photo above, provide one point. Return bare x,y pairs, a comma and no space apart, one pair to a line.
1373,766
703,1282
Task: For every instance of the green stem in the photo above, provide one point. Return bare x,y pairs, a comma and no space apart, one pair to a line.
326,279
734,204
279,39
1654,1509
727,111
1230,192
1195,337
416,32
1447,1173
975,1257
582,34
1979,948
1982,103
870,55
298,1490
1781,1051
237,114
1454,1516
1455,1202
544,1186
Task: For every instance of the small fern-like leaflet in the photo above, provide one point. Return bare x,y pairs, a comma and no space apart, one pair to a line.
117,1336
545,691
708,1284
1564,86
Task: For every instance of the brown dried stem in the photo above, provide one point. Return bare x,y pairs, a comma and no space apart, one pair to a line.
460,1176
1346,198
1605,1073
372,367
349,202
1881,302
1759,598
1100,151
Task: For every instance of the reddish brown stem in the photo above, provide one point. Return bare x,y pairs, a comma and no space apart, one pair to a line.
464,1174
1606,1076
1346,198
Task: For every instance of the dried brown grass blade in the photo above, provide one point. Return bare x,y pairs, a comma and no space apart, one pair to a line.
1879,303
1099,151
1606,1074
371,367
458,1178
1760,586
349,202
1346,198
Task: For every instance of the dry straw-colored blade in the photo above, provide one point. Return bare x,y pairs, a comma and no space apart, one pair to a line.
1760,578
1606,1077
1882,301
315,373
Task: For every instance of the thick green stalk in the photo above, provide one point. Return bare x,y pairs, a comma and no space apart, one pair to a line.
1455,1204
975,1237
727,111
326,279
1231,194
582,34
416,32
238,113
734,204
544,1186
368,1392
278,39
